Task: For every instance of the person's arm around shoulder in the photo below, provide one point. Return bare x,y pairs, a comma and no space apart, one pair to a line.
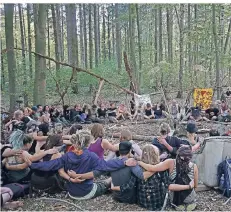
106,145
162,166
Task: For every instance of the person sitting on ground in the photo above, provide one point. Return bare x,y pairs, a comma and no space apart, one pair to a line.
132,106
66,112
136,151
139,113
99,144
49,181
102,112
111,111
183,176
212,113
195,113
225,112
46,111
149,113
94,115
151,192
81,160
158,111
167,145
75,114
174,110
17,166
16,123
122,113
86,113
27,115
39,110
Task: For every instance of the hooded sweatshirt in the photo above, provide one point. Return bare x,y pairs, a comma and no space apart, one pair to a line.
86,162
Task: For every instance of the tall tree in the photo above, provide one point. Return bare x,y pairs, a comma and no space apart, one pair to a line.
195,46
48,37
156,36
82,50
118,39
23,55
170,33
40,47
99,35
62,33
59,31
9,33
181,44
90,38
28,10
57,47
108,33
96,35
132,41
85,35
113,29
160,34
217,62
2,70
104,34
139,36
189,41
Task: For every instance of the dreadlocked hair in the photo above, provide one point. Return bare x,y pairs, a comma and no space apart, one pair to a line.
150,155
82,139
184,155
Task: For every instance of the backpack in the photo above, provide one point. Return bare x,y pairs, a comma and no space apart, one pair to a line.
19,190
224,177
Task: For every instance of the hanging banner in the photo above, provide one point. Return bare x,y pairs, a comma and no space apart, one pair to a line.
203,96
142,99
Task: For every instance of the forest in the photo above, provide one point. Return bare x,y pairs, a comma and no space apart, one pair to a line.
56,52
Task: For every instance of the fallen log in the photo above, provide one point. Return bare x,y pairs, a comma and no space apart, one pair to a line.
134,137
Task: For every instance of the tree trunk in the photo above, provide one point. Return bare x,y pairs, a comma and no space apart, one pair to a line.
15,34
195,47
57,47
189,44
48,38
108,33
99,35
62,34
90,39
156,36
227,37
85,35
113,30
9,33
139,42
25,95
81,36
132,41
24,26
170,34
40,47
160,36
216,52
181,44
58,31
29,39
221,36
104,35
118,39
69,31
96,36
2,71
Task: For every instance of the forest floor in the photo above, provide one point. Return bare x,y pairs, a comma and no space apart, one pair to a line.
211,200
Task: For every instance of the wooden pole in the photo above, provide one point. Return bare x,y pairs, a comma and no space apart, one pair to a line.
101,82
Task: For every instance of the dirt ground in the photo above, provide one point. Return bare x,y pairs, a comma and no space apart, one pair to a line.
210,200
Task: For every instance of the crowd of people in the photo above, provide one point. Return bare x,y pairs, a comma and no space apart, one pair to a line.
40,156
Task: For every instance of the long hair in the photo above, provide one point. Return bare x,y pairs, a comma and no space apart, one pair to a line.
150,155
52,141
82,139
184,155
97,131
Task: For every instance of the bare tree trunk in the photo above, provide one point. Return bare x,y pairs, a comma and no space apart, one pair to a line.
99,35
48,38
160,35
96,36
25,95
57,47
104,35
90,39
62,34
58,31
139,39
181,44
189,44
29,39
81,36
15,34
170,34
195,47
108,33
156,36
40,47
227,37
2,70
113,30
85,35
216,52
9,33
118,39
